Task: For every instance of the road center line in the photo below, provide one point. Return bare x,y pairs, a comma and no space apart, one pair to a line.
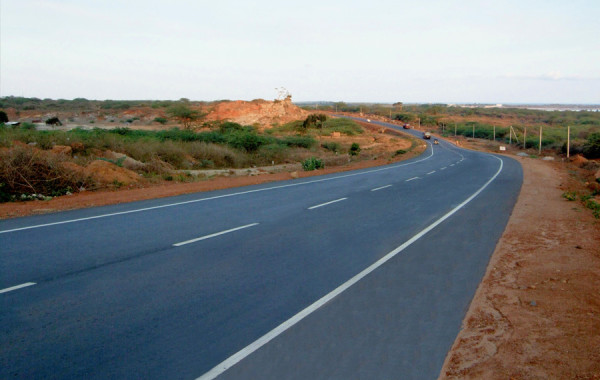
444,168
248,350
431,172
17,287
382,187
213,235
452,164
327,203
412,179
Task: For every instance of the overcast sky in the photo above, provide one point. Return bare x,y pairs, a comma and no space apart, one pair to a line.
374,51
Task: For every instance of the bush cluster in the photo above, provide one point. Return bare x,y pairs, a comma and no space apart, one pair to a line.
24,170
312,163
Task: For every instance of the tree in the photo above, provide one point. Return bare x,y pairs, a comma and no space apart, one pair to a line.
591,148
184,114
314,120
53,121
3,117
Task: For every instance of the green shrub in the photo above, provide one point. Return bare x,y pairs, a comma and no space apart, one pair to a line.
346,126
405,117
591,148
332,146
160,120
592,205
312,163
354,149
231,127
27,126
248,141
314,121
298,141
399,152
569,195
272,152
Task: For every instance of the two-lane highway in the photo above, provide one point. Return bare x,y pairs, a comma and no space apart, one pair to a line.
172,288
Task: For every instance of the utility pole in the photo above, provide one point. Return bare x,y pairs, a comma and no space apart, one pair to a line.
510,136
454,129
568,140
473,130
524,137
494,133
540,149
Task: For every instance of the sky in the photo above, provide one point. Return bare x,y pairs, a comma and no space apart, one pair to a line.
467,51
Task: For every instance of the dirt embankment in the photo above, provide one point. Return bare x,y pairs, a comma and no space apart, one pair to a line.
536,314
261,112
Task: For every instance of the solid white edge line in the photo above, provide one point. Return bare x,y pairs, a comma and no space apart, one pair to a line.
213,235
431,172
327,203
380,188
246,351
412,179
17,287
216,197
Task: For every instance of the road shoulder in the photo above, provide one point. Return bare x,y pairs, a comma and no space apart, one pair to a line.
536,314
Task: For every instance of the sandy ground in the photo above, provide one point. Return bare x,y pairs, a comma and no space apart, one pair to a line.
536,314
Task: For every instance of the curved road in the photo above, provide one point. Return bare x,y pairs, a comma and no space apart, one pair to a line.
364,274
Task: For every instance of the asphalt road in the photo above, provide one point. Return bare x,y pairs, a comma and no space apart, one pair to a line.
172,288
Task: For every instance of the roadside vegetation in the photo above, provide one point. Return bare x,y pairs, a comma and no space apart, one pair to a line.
320,125
37,164
481,122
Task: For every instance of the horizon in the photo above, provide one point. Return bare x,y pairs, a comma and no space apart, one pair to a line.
308,102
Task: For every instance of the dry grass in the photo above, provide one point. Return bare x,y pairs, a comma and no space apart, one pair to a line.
24,170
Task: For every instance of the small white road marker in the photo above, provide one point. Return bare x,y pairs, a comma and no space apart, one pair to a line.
17,287
444,168
412,179
214,235
452,164
382,187
431,172
327,203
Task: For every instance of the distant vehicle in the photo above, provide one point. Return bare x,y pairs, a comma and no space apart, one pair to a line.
406,126
435,141
426,135
368,120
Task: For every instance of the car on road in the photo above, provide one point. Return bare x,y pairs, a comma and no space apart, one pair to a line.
426,135
406,126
